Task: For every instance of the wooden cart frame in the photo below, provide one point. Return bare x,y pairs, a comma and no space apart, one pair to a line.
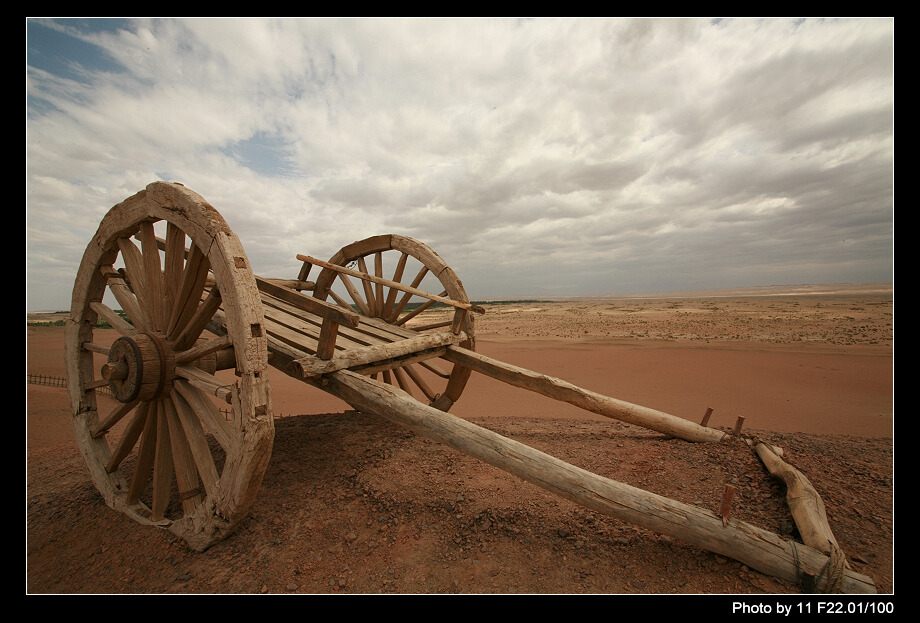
169,456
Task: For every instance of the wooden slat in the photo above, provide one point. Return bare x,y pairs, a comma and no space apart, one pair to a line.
309,303
368,331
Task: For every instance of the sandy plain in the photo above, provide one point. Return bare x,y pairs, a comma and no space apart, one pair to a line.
810,364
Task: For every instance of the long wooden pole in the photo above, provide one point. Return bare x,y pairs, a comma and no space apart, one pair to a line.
755,547
591,401
392,284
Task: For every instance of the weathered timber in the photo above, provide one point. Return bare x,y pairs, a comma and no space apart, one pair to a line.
804,502
392,284
315,366
309,304
750,545
591,401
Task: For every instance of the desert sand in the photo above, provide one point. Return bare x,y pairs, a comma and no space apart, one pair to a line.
800,364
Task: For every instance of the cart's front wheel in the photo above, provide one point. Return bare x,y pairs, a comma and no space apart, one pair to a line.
172,410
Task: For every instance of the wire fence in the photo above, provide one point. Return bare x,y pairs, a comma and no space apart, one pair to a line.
57,381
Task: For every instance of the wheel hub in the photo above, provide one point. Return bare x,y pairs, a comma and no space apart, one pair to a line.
139,367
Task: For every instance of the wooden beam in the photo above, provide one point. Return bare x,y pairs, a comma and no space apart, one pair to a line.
588,400
309,304
315,366
804,501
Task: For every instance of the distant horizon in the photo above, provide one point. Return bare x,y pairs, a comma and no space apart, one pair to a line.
820,289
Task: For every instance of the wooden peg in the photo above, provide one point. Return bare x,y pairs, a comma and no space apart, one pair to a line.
728,497
705,421
738,424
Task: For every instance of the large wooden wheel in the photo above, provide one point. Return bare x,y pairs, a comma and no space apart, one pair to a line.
408,262
183,445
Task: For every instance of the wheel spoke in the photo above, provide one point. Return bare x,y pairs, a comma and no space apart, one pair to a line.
112,419
378,296
353,292
415,312
174,262
197,441
145,458
413,374
129,438
126,299
198,322
193,282
135,277
340,301
162,466
205,348
407,296
436,369
402,380
393,293
184,462
118,323
153,275
207,413
368,290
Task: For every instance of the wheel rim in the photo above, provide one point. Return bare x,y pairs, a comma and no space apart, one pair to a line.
409,262
188,436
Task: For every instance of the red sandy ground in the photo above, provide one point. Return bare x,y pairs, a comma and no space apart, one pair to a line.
353,504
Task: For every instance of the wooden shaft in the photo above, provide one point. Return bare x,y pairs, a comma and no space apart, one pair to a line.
750,545
315,366
588,400
392,284
804,502
114,371
292,284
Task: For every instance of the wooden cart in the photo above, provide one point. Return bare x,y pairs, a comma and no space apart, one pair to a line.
191,434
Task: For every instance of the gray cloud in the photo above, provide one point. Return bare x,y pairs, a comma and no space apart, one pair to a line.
537,156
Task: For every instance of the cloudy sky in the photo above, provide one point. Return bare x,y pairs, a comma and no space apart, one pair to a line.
538,157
